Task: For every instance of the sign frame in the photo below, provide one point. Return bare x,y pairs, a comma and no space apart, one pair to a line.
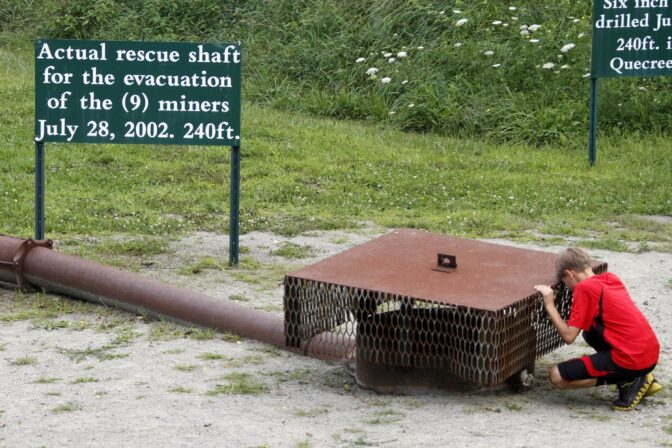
137,92
630,38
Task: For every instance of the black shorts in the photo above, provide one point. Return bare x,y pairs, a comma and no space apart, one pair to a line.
600,366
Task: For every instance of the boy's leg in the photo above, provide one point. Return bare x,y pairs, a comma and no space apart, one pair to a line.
561,383
587,371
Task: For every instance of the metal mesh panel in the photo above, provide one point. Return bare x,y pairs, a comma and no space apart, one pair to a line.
483,347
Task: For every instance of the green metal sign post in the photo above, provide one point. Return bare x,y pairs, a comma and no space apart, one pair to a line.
171,93
630,38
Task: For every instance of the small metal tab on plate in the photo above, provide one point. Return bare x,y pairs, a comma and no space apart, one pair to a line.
445,263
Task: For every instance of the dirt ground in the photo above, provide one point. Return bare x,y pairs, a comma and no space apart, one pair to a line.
87,376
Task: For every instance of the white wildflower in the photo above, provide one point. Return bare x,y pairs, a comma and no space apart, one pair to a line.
457,11
581,35
512,8
386,80
458,44
514,18
392,112
405,81
387,55
372,71
576,20
505,25
534,27
411,105
535,41
421,48
402,54
587,75
391,60
565,67
442,12
461,22
489,53
496,65
566,48
497,22
523,27
524,33
360,60
548,65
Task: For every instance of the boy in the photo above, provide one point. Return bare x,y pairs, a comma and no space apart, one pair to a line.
627,348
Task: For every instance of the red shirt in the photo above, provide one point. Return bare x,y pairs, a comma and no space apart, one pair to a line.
633,343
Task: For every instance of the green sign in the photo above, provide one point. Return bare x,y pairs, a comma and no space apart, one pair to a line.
137,92
632,38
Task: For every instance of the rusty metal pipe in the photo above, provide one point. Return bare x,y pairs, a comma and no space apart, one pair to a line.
72,276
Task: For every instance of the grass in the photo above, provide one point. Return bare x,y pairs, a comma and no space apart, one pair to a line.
300,375
238,383
44,309
200,334
165,330
201,265
174,351
302,173
212,357
260,276
385,417
180,390
25,361
101,353
238,298
312,413
186,367
85,379
269,350
293,251
135,247
124,336
513,406
52,324
67,407
46,380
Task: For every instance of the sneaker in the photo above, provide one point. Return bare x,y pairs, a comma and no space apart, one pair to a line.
630,394
655,387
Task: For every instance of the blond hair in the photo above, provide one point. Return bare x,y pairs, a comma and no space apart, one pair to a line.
573,258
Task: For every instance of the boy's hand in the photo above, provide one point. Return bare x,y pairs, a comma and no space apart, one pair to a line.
547,293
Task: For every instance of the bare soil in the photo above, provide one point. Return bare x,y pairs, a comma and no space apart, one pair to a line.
94,377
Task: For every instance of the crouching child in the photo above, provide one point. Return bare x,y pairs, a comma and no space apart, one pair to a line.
626,347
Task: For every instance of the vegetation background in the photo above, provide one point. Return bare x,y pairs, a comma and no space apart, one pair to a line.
483,78
498,90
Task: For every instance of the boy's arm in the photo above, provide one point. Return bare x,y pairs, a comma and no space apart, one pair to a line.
567,333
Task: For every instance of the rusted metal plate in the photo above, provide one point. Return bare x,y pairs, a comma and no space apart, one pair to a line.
488,277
